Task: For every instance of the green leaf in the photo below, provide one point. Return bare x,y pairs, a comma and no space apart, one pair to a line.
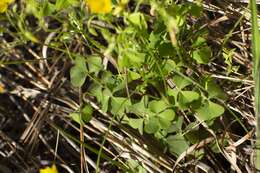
202,55
199,42
214,146
135,167
181,82
138,20
66,37
119,104
159,26
154,40
33,7
63,4
87,112
168,115
76,117
133,164
131,58
95,89
78,72
228,55
209,111
173,92
94,64
176,126
102,95
86,115
47,9
133,75
106,94
195,9
165,118
141,169
177,144
60,4
136,123
138,109
118,84
169,66
151,125
164,123
166,49
186,97
214,90
157,106
161,134
107,77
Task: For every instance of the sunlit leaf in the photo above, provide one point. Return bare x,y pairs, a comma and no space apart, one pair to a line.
136,123
157,106
119,104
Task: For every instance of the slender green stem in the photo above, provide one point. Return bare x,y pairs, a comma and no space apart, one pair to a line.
256,75
105,137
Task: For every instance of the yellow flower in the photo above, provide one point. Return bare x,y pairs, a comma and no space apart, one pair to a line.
100,6
48,169
2,89
4,4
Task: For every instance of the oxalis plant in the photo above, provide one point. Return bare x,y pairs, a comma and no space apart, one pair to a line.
144,74
140,64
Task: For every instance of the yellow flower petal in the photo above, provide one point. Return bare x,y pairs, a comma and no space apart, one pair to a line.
4,4
2,89
8,1
3,7
100,6
48,169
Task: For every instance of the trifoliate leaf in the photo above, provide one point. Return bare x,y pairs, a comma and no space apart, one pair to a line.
168,115
177,144
209,111
119,104
180,81
186,97
151,125
214,90
136,123
157,106
94,64
78,72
